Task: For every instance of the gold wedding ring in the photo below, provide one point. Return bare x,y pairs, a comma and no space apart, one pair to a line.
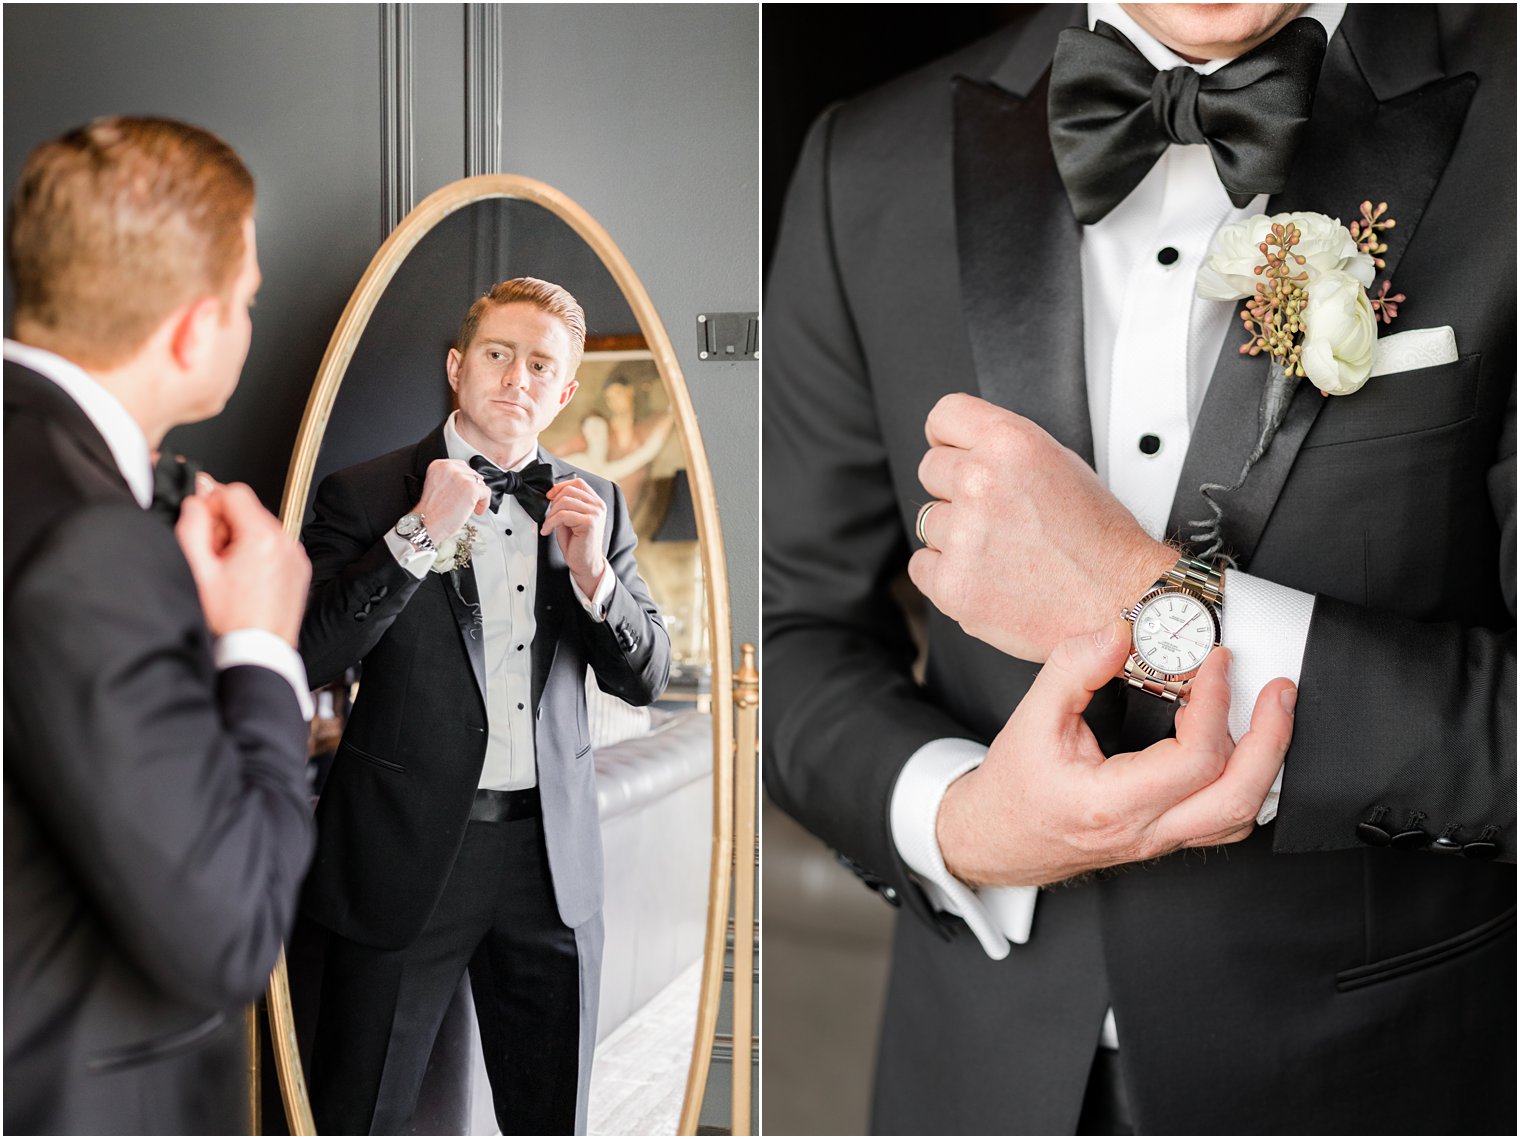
918,527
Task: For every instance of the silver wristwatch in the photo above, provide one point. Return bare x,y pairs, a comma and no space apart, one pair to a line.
1174,626
413,527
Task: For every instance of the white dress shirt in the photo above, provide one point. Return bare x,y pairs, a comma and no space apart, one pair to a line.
129,447
1150,346
505,560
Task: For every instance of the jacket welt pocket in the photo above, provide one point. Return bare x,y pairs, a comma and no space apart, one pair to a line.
159,1048
1426,956
375,759
1403,403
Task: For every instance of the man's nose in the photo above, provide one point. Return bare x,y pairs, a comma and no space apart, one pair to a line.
515,374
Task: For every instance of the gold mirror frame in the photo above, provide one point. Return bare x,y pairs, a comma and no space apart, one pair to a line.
340,351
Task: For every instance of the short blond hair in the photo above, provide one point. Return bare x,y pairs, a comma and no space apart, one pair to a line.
543,295
115,225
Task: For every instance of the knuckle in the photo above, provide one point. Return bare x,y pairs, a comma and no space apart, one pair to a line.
918,570
975,479
949,404
1012,440
1104,829
1237,811
1210,762
926,468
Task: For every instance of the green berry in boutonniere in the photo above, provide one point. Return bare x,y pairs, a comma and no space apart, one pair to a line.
1304,278
454,553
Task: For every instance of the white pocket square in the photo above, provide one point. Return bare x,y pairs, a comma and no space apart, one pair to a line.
1416,348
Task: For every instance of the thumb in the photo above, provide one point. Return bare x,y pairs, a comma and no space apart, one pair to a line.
193,532
1076,668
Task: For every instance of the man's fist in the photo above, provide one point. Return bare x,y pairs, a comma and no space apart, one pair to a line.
1029,548
1047,805
451,492
249,573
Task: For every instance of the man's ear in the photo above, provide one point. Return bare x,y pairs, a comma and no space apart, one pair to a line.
451,365
190,331
568,394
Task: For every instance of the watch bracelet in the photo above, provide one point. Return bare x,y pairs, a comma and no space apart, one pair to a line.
1201,577
419,539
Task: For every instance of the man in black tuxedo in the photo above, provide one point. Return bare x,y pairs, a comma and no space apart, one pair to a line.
1349,965
476,577
156,821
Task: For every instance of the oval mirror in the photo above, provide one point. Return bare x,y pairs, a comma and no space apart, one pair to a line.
663,775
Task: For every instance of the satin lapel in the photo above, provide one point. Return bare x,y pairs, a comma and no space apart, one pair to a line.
1357,146
461,590
551,596
1021,286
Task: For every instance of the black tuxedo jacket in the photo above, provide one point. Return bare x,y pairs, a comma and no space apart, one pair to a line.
396,805
1300,980
156,818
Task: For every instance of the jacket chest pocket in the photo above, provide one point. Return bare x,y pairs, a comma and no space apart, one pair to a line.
1405,403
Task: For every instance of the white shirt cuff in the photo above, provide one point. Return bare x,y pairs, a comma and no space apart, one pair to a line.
996,915
415,562
1266,627
262,648
597,604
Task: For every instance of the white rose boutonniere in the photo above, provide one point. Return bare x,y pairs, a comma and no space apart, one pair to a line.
1304,278
1339,334
454,552
1232,269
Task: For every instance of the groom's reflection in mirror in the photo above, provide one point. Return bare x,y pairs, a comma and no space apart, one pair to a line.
476,577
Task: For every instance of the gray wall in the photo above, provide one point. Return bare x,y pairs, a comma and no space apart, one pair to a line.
644,114
294,91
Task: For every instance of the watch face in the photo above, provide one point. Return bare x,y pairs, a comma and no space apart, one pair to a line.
409,524
1173,633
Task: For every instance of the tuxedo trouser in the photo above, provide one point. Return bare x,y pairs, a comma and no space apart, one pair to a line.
381,1009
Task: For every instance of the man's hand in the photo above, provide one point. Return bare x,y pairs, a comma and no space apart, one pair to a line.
577,516
451,492
249,573
1029,547
1046,805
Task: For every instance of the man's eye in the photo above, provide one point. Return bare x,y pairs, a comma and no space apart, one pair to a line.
540,366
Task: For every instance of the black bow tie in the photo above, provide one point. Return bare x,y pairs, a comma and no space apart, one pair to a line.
173,482
529,485
1112,114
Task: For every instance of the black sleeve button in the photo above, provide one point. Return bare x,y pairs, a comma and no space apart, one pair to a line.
1485,847
1372,835
1167,255
1371,831
1412,837
1447,843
